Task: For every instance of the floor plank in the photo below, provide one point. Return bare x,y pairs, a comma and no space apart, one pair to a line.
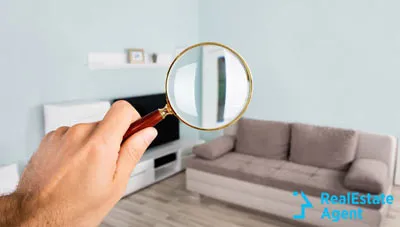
169,204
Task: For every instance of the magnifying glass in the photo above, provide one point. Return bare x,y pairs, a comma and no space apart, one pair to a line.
208,87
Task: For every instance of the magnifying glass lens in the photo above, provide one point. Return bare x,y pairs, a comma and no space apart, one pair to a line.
208,87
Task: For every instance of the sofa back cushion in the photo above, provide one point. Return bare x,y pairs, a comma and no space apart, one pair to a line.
325,147
260,138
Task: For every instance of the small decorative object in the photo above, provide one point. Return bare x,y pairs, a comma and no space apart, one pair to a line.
136,56
154,57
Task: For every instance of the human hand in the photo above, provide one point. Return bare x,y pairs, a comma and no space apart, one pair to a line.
79,173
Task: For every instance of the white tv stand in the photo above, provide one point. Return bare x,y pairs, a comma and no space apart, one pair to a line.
159,163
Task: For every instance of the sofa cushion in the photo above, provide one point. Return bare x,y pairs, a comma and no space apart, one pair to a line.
279,174
325,147
367,175
215,148
239,166
260,138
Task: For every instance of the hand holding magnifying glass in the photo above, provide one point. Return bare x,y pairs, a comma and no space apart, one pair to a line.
208,87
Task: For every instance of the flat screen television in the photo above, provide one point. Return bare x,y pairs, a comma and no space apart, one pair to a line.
168,129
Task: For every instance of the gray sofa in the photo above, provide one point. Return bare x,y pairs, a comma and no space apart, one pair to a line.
259,164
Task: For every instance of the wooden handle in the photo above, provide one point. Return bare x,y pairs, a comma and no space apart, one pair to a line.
149,120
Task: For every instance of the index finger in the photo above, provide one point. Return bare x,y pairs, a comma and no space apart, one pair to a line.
116,122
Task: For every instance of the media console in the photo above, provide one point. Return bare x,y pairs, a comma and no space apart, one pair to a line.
167,153
159,163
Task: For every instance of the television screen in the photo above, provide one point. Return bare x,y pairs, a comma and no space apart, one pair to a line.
168,129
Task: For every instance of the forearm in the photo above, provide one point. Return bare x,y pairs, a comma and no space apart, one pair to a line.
11,210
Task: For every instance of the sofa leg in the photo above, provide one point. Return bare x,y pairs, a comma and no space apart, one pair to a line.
203,199
195,195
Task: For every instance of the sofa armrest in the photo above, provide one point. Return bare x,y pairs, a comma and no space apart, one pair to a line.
215,148
367,175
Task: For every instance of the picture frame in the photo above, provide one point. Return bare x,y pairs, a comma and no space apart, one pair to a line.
136,56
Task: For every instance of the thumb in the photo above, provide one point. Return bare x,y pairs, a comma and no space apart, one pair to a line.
131,152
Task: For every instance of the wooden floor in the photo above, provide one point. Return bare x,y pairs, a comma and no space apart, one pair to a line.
168,204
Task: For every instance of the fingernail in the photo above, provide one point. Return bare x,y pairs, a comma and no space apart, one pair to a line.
150,135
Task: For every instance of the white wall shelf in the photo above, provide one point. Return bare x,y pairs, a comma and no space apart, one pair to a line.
126,66
102,61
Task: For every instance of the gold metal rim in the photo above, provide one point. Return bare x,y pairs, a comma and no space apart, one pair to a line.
249,79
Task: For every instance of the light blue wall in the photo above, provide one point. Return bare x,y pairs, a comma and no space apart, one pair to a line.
323,62
44,46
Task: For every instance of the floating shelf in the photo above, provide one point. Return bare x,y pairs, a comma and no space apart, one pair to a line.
97,66
99,61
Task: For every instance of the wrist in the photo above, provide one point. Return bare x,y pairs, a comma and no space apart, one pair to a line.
15,210
11,210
